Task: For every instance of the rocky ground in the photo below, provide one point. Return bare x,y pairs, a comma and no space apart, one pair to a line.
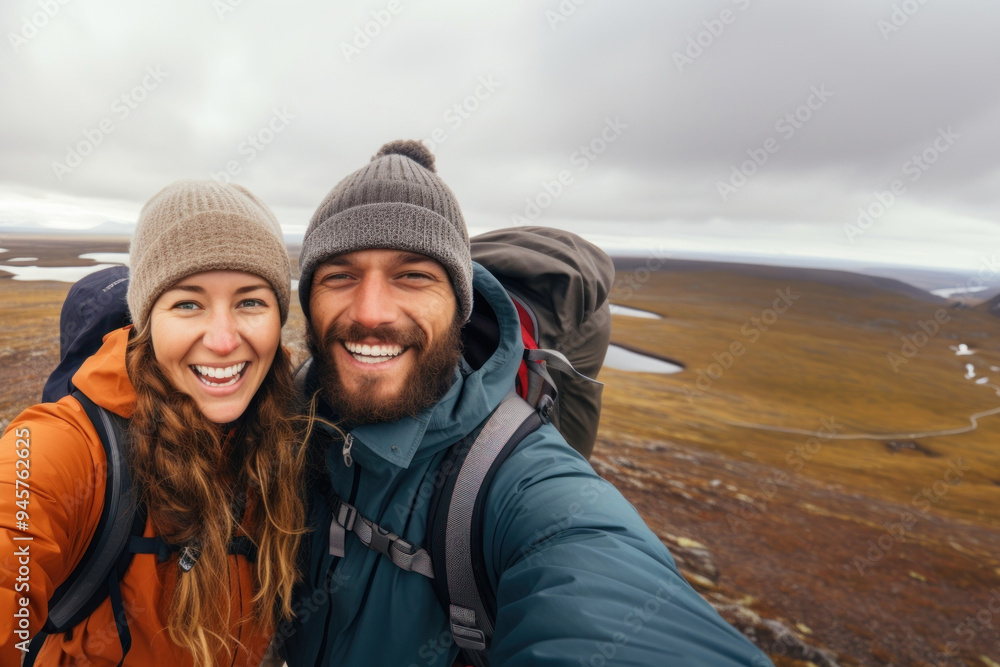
780,565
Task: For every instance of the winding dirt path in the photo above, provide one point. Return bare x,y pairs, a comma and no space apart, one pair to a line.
973,425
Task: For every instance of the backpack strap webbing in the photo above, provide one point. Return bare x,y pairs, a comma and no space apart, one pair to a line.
471,601
455,526
403,554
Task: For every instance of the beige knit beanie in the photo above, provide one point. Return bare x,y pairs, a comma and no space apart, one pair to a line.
193,226
397,201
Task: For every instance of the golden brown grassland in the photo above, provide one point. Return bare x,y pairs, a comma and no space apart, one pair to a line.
800,526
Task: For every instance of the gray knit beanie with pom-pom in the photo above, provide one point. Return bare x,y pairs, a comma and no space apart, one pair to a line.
397,202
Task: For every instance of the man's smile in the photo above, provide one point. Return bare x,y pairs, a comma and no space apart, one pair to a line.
373,354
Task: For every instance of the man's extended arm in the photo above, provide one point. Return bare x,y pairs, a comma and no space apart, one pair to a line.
583,580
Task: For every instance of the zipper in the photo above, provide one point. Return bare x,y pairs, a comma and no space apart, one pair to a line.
348,443
352,499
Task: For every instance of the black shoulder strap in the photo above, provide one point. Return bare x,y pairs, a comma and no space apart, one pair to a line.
112,534
96,576
456,524
117,538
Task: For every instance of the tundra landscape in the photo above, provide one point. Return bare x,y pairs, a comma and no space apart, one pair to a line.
824,469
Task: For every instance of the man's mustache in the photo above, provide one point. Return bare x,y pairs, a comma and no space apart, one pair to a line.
405,336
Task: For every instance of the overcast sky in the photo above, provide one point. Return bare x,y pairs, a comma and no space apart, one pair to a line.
730,126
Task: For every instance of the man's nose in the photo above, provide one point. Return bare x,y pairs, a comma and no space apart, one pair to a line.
373,304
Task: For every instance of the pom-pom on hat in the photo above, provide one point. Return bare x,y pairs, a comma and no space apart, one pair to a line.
398,202
194,226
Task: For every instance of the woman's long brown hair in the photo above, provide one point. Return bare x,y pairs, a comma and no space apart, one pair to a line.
192,474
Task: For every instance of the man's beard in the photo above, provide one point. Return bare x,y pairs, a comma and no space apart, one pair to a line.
428,380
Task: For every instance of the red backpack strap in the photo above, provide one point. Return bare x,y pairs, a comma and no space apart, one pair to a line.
528,337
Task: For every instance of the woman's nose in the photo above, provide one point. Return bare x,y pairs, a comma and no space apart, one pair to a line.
222,335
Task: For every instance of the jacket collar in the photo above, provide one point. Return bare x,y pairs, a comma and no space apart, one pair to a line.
473,395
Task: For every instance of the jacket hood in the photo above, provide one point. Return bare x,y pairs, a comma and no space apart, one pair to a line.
94,306
103,377
481,381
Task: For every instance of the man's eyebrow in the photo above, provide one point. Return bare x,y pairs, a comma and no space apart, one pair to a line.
339,260
405,257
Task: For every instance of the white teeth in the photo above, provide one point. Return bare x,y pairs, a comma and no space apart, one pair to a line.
373,354
219,384
229,371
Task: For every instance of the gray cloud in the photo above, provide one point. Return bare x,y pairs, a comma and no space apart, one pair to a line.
551,92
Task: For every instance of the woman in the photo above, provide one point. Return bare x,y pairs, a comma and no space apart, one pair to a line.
206,387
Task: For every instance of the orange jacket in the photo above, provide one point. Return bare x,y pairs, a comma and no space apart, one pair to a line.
65,464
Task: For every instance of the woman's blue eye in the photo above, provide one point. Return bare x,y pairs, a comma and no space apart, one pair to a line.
186,305
251,303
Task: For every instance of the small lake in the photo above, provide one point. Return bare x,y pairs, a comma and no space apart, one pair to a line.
623,359
62,274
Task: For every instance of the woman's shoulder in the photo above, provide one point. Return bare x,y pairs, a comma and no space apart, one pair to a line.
60,450
52,483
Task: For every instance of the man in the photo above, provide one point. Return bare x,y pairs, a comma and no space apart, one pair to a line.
386,284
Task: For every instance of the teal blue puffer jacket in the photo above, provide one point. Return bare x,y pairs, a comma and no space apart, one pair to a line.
579,578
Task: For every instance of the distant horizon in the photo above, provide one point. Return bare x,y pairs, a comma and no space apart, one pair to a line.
928,278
